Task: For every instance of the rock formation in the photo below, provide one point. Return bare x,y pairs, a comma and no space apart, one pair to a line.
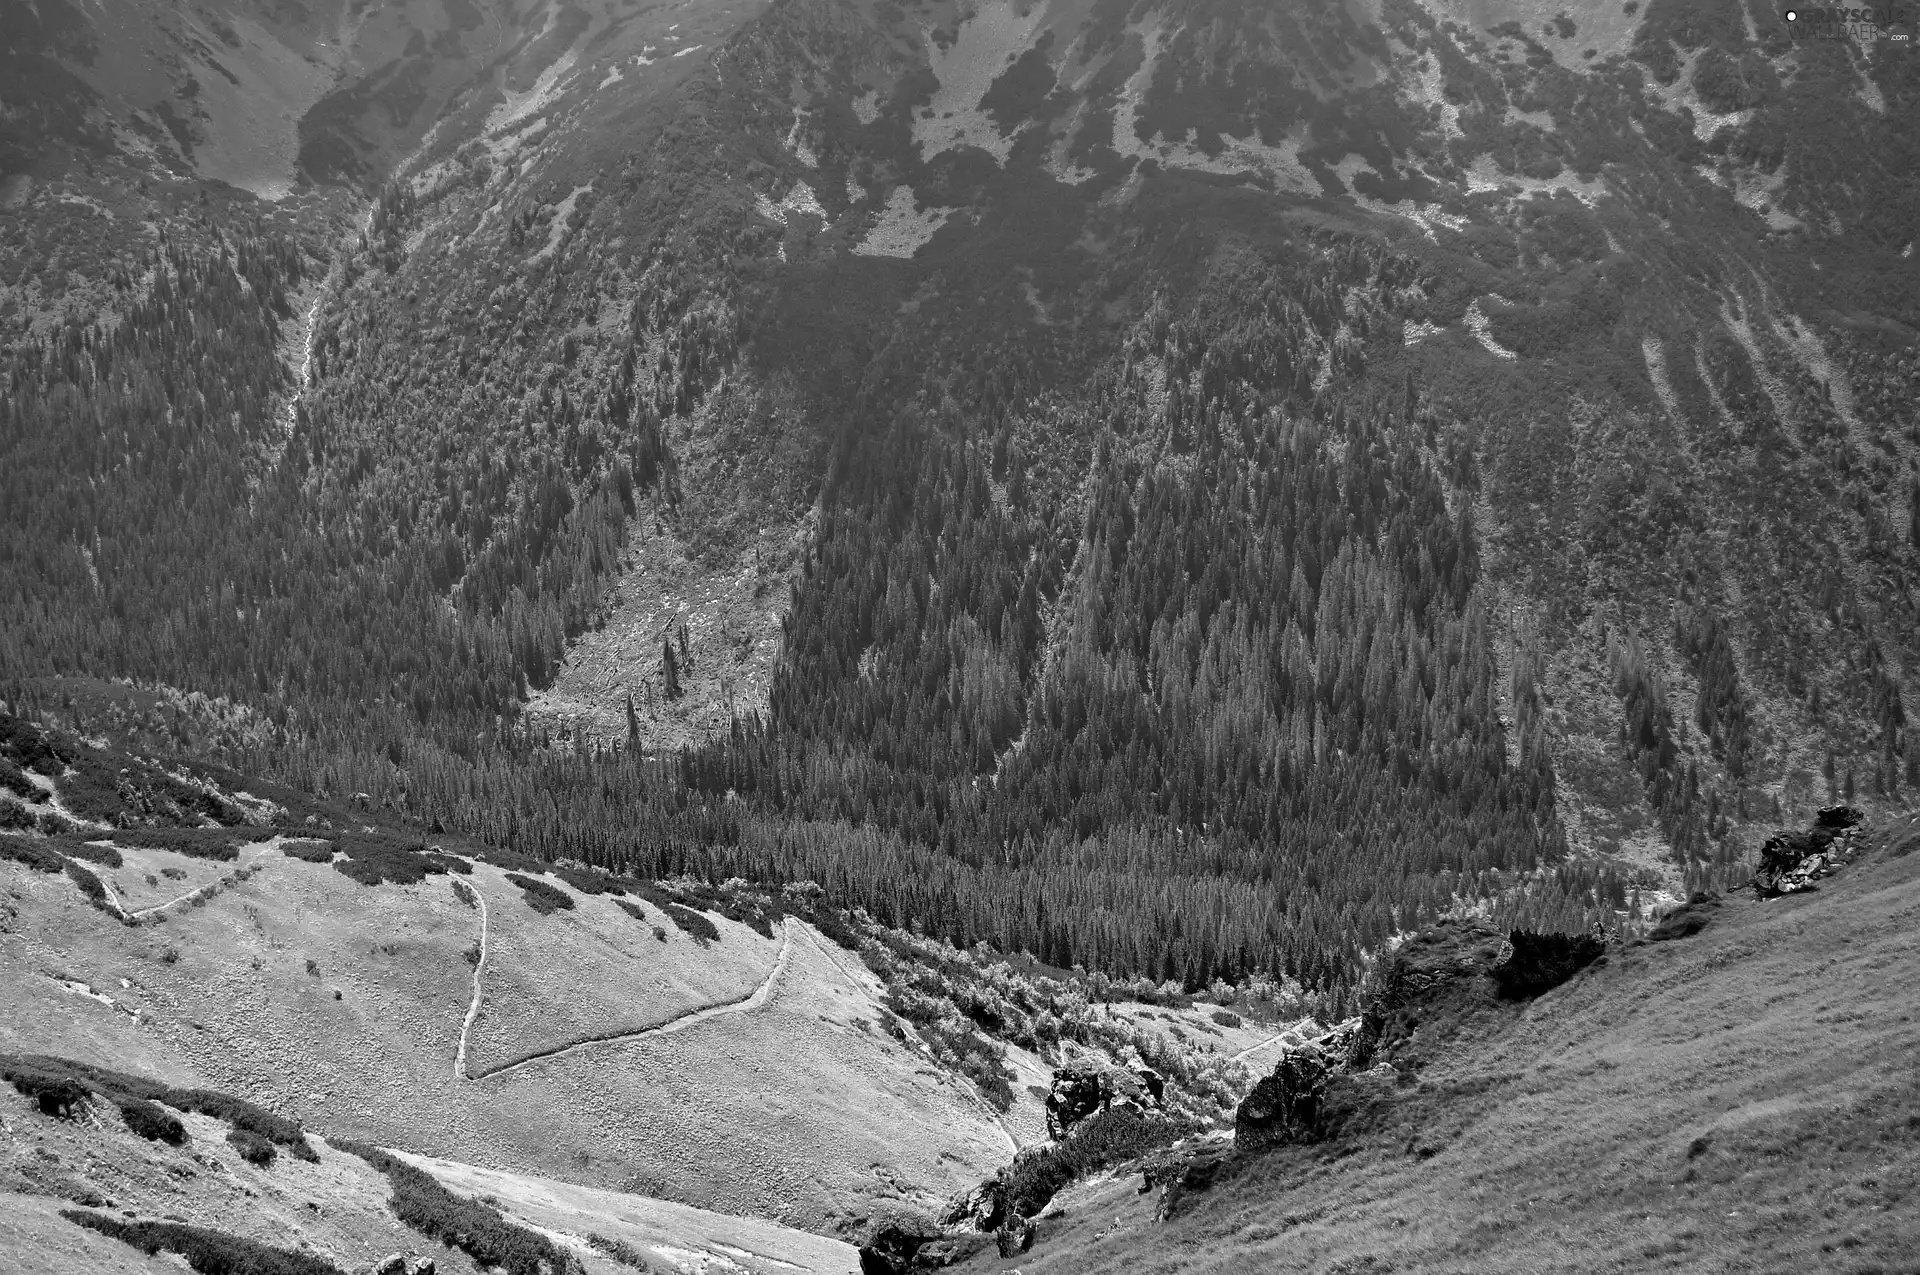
1086,1089
1792,861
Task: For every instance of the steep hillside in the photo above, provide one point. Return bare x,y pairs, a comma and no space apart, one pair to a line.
1740,1097
1205,486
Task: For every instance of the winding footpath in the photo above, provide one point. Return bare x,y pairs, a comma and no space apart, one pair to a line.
468,892
208,888
742,1005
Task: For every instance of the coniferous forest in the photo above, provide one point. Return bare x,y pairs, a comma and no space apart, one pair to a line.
1239,714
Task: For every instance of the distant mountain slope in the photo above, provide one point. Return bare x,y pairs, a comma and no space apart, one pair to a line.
1186,488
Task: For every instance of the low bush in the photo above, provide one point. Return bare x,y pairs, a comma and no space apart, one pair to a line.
253,1148
374,857
588,881
308,851
57,1095
14,780
1098,1142
31,851
154,1123
696,924
14,817
209,1252
41,1070
633,910
89,884
475,1228
543,897
105,856
620,1251
1227,1018
222,845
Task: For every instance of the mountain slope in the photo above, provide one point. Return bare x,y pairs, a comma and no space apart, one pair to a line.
1739,1099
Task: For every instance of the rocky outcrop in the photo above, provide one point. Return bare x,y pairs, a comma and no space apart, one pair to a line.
1015,1238
1791,862
1533,963
907,1246
982,1208
1085,1089
1285,1105
1182,1171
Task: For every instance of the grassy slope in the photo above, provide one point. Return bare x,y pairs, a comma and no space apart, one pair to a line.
1741,1100
802,1109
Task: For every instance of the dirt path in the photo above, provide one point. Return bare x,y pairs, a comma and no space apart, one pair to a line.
473,1008
214,886
1254,1049
743,1005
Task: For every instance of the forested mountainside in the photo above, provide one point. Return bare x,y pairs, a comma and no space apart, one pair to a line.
1185,488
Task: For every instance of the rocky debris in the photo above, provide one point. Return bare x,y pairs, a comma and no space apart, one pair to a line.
1086,1089
1686,920
1791,862
391,1264
1533,963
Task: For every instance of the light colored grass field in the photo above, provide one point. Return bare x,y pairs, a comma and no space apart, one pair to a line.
1744,1100
798,1107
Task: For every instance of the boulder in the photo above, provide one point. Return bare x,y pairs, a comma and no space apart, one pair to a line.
1182,1171
1535,963
422,1266
391,1264
906,1245
1015,1237
1086,1089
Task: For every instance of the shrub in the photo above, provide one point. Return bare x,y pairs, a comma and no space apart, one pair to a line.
696,924
1226,1018
253,1148
308,851
588,882
174,874
374,857
35,1069
210,1252
475,1228
542,896
57,1095
1101,1141
222,845
14,816
153,1122
14,780
631,909
89,884
620,1251
31,851
105,856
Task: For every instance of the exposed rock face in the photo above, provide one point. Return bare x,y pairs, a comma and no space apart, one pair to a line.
1443,962
1086,1089
1792,861
1537,963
